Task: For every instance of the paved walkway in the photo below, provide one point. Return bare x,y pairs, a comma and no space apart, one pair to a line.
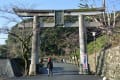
61,72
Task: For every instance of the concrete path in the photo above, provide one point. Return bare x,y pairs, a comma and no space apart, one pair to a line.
61,71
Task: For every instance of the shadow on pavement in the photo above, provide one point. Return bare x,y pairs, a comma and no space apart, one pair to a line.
55,70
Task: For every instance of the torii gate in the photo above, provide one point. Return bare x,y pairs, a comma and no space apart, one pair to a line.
59,14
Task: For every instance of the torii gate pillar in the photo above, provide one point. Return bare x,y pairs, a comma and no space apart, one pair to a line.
82,44
35,48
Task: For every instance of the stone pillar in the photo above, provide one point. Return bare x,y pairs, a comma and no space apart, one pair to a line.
82,44
34,54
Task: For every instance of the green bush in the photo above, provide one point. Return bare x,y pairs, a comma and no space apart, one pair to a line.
97,45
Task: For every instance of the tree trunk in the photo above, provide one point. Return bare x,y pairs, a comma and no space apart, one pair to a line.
26,67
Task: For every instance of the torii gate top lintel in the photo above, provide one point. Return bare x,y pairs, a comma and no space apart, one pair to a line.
83,11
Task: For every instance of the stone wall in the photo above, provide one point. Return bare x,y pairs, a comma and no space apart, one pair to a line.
11,67
6,68
111,65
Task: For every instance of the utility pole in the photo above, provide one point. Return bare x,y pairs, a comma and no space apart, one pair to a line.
103,2
94,34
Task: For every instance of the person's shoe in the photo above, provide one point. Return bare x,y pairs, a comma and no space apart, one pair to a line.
52,74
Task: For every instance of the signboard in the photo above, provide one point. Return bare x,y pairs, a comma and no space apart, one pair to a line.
85,65
59,18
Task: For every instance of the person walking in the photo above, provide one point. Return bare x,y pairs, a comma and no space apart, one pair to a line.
50,67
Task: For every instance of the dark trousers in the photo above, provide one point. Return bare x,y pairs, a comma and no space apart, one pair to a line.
50,72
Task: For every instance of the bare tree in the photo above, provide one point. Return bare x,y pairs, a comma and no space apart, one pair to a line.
23,38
